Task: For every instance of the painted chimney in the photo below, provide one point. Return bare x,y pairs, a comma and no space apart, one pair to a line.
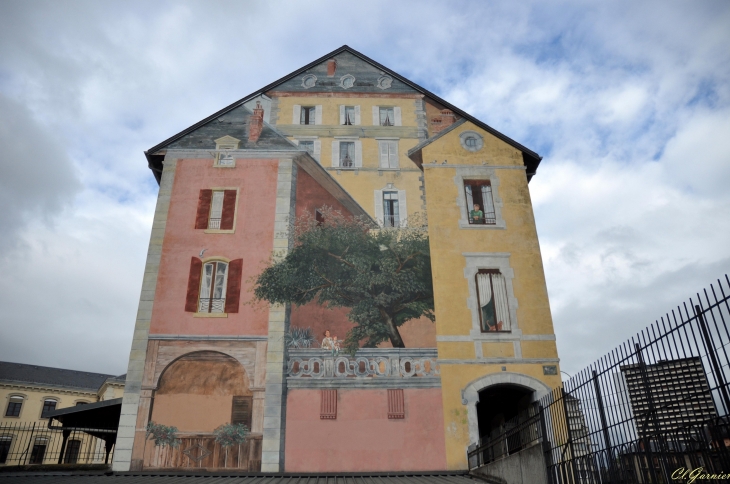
331,67
256,123
440,123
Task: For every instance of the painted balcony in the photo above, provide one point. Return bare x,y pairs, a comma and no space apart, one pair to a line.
369,368
201,451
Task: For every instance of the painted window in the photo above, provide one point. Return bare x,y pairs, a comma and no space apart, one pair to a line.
5,442
241,410
347,154
213,287
387,116
388,153
328,405
319,217
216,209
307,145
14,406
349,115
471,140
391,216
492,295
479,202
396,404
308,115
225,159
49,405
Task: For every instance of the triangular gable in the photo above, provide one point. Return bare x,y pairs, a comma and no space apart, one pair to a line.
532,159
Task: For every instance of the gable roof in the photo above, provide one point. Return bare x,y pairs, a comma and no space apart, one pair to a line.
532,159
57,377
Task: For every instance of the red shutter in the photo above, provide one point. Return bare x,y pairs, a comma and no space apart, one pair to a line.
229,209
191,300
233,290
201,219
328,407
396,405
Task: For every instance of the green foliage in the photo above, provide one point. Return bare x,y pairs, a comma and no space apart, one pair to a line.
228,435
382,275
299,338
163,435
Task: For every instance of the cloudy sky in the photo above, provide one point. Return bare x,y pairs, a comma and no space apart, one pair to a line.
628,102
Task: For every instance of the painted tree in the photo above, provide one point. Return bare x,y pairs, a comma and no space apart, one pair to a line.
383,276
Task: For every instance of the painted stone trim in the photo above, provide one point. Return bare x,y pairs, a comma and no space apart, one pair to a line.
470,394
205,337
487,260
478,173
272,457
135,369
513,336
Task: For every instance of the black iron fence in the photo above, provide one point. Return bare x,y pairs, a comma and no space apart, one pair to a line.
653,410
29,443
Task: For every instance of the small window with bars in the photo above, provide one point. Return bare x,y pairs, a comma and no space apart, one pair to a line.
493,301
396,404
49,405
14,406
328,405
479,202
308,115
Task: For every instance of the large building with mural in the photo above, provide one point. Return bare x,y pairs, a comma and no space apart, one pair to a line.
348,133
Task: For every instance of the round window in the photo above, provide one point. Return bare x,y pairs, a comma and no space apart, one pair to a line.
309,81
471,142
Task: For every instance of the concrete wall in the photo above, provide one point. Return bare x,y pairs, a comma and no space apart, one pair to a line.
362,438
524,467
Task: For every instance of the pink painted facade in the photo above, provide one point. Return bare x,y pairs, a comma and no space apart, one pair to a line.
362,437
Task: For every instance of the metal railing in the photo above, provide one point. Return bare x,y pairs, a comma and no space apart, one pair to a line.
33,443
212,305
214,223
646,412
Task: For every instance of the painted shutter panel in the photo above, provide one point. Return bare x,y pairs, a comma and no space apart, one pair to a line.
379,207
376,115
358,154
357,115
229,209
241,411
317,149
318,114
233,288
393,154
191,299
402,209
297,115
201,218
342,115
397,116
383,153
335,153
396,404
328,407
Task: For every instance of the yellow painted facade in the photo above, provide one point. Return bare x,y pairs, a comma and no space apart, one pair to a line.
467,355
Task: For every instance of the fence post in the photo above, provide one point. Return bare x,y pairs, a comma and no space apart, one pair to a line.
66,434
713,358
604,424
546,450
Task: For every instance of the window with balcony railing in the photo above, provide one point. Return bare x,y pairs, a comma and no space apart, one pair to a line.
213,287
479,202
216,209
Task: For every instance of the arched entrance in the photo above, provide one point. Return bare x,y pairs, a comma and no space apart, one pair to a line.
498,391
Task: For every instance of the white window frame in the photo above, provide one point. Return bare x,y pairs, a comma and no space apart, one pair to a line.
211,288
402,205
316,143
336,152
48,399
397,115
391,161
10,397
490,260
297,114
478,173
356,115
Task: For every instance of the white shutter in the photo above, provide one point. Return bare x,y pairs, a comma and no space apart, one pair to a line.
402,209
318,114
376,115
379,207
383,145
317,149
393,154
397,115
357,115
358,154
342,115
297,115
335,153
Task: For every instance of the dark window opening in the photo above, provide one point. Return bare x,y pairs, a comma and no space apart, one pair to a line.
241,411
73,448
48,406
319,217
493,302
5,448
349,115
471,142
38,452
498,404
479,202
308,115
391,217
13,410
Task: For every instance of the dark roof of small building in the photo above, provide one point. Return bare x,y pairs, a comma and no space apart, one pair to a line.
243,478
57,377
